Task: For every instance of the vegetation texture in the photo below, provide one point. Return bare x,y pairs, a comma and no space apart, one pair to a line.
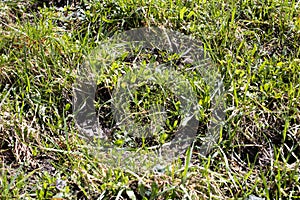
253,44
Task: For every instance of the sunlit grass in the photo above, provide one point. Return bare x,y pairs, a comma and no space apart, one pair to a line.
254,45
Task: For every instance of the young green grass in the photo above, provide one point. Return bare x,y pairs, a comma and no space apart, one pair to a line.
253,44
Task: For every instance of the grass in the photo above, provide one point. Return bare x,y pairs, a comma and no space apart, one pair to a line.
253,44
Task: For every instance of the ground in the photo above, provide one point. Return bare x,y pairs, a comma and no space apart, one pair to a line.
254,45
